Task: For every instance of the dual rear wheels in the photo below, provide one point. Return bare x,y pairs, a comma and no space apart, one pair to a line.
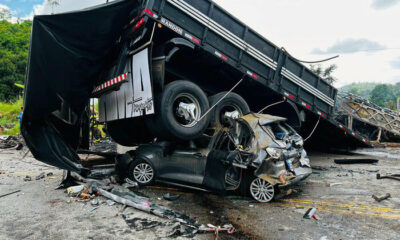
181,111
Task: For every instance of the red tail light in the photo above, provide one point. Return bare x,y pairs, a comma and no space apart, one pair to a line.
148,11
138,25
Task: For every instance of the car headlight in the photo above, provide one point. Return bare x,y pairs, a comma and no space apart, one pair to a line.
274,152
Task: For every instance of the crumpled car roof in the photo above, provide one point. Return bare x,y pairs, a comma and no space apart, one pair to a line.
263,119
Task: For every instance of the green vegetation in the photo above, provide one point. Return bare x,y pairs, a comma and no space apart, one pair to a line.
8,114
326,73
361,89
384,95
14,46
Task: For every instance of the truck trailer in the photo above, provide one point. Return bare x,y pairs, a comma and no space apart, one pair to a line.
170,70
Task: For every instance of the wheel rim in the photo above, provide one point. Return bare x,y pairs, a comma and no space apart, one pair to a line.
227,109
262,190
187,110
143,173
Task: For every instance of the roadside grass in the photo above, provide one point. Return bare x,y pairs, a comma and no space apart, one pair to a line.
8,114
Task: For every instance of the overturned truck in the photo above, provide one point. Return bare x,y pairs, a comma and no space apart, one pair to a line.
172,71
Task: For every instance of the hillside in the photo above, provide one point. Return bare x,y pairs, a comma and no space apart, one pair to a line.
361,89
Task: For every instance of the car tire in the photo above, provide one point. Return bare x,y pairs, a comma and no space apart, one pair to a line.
261,190
170,124
230,103
142,172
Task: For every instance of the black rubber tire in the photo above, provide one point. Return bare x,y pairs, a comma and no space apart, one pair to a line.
233,100
164,125
132,167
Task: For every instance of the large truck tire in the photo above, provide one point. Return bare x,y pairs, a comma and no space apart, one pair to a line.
232,102
178,111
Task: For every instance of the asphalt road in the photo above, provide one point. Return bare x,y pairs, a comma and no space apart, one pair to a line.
341,194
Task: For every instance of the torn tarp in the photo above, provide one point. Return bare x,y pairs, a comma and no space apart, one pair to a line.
67,54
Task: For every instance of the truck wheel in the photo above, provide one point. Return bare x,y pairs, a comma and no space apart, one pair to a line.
142,172
233,103
261,190
178,111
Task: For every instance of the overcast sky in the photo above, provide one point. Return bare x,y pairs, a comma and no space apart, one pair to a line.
365,33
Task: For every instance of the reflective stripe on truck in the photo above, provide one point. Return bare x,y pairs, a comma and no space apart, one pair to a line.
134,98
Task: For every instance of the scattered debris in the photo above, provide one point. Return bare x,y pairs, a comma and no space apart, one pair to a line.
319,168
140,224
94,208
171,197
49,174
391,176
356,161
176,229
94,202
217,229
333,184
67,180
110,202
130,184
27,178
310,213
9,193
380,199
138,203
11,142
76,190
40,176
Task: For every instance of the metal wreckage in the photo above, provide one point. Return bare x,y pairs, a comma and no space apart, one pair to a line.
161,71
257,154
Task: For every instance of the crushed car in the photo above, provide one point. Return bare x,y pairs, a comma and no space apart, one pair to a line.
257,155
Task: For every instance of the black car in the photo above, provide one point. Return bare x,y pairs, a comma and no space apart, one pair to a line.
258,154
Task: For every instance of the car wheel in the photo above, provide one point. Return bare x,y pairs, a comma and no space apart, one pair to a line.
261,190
178,111
142,172
232,103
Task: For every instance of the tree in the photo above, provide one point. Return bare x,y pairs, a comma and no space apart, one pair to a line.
14,45
382,95
325,74
53,3
5,14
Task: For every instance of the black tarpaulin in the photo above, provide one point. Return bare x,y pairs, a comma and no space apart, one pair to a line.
67,54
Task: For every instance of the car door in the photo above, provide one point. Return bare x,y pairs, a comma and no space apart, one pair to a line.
184,166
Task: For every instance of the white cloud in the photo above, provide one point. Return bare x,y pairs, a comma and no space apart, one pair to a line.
350,45
303,25
395,63
12,18
2,6
64,6
383,4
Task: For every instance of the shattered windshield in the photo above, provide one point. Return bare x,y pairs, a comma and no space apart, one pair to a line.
279,130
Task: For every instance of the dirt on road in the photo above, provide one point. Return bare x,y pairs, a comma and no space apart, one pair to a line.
341,194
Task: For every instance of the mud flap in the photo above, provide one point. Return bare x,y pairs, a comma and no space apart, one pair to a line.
135,97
